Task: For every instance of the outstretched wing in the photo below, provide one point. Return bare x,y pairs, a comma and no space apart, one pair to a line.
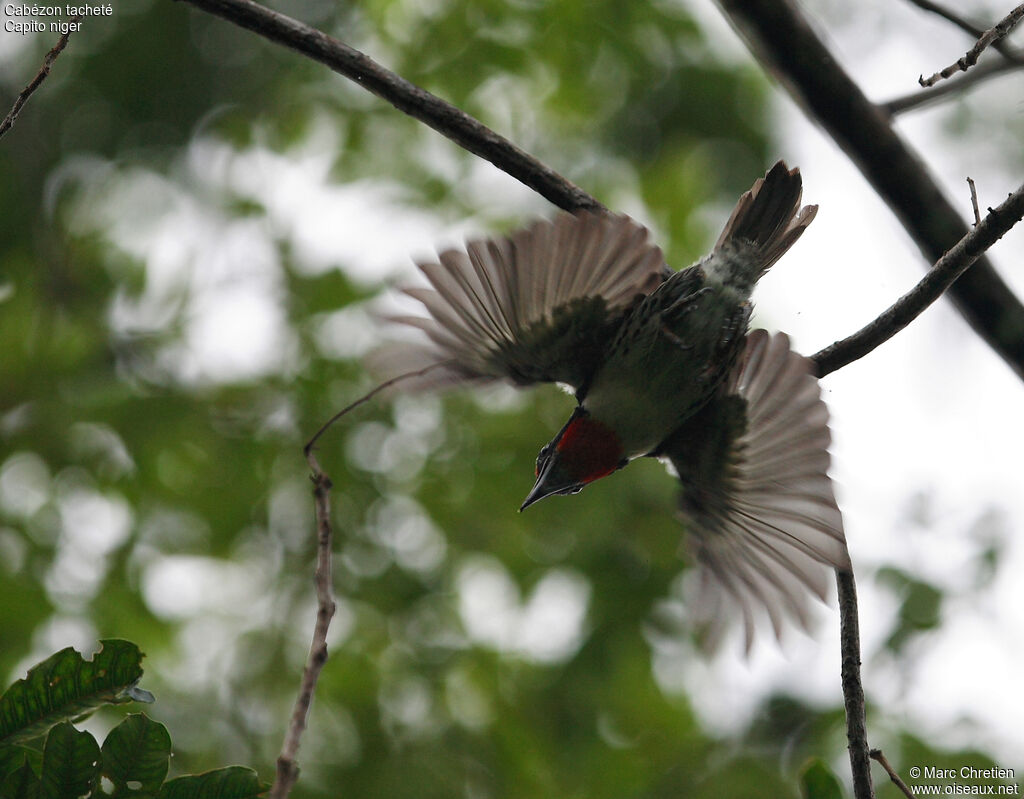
538,305
764,526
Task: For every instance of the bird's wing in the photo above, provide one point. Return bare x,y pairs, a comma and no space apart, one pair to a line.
764,527
537,305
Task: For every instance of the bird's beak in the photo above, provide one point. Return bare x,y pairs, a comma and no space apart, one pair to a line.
536,494
551,480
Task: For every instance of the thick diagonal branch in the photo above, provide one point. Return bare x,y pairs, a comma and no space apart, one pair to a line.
787,45
439,114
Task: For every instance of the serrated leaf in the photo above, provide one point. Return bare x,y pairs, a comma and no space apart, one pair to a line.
71,763
137,751
66,686
818,782
20,784
233,782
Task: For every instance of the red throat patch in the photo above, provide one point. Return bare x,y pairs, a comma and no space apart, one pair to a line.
589,449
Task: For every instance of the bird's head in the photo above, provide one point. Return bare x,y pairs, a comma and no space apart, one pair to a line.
582,452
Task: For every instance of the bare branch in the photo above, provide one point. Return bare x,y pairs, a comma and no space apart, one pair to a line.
439,114
853,690
974,201
37,81
979,74
947,269
876,754
790,48
369,395
1013,59
287,767
989,37
950,16
872,143
897,174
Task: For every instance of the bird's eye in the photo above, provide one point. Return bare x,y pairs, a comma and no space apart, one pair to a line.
542,458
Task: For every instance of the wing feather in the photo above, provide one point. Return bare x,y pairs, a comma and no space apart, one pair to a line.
537,305
764,526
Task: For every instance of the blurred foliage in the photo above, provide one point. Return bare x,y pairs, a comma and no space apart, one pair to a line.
149,494
920,606
818,782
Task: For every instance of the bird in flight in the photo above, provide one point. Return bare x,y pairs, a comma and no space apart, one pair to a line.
662,365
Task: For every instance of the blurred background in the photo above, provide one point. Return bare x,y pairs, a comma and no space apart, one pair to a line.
195,230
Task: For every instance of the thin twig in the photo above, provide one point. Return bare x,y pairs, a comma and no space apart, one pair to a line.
369,395
876,754
478,139
980,74
37,81
439,114
940,277
853,690
899,177
951,16
974,201
989,37
790,48
287,767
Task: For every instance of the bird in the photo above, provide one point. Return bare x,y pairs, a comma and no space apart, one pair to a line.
661,364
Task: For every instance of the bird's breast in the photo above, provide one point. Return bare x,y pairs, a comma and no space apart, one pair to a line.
669,357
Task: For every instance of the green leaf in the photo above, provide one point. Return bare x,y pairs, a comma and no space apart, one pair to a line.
71,763
818,782
137,751
66,686
11,759
233,782
20,784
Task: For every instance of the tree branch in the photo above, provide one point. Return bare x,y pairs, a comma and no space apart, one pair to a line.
834,99
991,36
951,16
947,269
980,74
787,45
974,200
876,754
287,767
439,114
36,82
1012,59
983,298
853,690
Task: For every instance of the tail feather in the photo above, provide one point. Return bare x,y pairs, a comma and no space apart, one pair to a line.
765,223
